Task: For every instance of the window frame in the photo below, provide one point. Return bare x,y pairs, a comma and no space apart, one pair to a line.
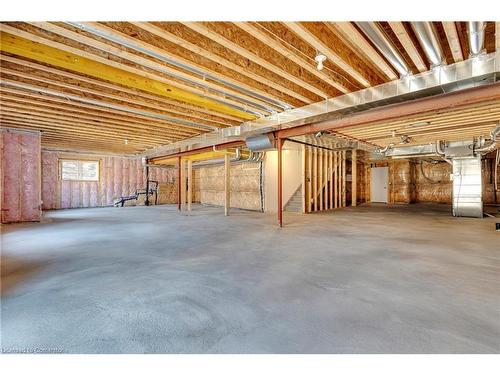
79,161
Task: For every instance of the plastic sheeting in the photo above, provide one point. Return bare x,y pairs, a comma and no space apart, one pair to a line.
21,188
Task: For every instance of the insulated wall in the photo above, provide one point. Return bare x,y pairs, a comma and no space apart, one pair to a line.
20,173
423,181
118,176
244,181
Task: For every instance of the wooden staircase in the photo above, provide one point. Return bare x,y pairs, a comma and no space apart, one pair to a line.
295,203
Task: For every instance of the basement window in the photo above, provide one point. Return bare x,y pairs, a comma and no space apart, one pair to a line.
80,170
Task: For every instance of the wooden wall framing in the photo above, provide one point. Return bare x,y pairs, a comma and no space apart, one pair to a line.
325,179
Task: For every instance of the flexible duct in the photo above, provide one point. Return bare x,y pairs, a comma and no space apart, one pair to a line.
384,46
493,144
427,37
476,37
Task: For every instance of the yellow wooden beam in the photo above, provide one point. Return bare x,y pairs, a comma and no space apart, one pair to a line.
208,155
53,56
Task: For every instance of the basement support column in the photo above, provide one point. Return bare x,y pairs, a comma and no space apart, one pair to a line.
354,174
227,187
184,183
280,182
190,184
146,202
179,183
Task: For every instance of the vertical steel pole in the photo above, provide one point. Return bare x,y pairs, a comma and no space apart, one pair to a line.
146,202
280,182
354,178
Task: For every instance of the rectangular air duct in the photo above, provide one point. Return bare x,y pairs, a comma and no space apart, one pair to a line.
467,199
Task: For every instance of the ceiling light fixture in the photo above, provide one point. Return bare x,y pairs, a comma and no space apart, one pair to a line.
126,141
320,58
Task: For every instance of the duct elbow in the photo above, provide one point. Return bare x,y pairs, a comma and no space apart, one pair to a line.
493,144
384,150
495,132
440,148
487,149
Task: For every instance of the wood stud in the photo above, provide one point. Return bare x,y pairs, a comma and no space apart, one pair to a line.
324,179
248,55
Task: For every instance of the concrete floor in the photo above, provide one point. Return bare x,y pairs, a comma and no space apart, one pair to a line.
150,280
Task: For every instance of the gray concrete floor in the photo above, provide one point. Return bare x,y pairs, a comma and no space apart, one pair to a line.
150,280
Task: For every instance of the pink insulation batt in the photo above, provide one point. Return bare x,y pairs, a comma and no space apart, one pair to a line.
118,176
21,153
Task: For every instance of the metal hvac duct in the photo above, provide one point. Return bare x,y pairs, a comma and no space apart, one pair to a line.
454,77
476,37
260,142
384,46
428,39
467,194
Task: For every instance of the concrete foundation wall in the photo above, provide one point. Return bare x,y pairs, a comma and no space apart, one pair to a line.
20,189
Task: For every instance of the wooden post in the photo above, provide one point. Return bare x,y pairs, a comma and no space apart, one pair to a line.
304,174
339,180
280,182
314,176
325,168
330,174
190,184
343,179
309,179
227,186
320,173
354,174
179,183
336,179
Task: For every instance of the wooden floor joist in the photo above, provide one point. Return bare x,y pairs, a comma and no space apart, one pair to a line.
218,59
40,52
151,84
